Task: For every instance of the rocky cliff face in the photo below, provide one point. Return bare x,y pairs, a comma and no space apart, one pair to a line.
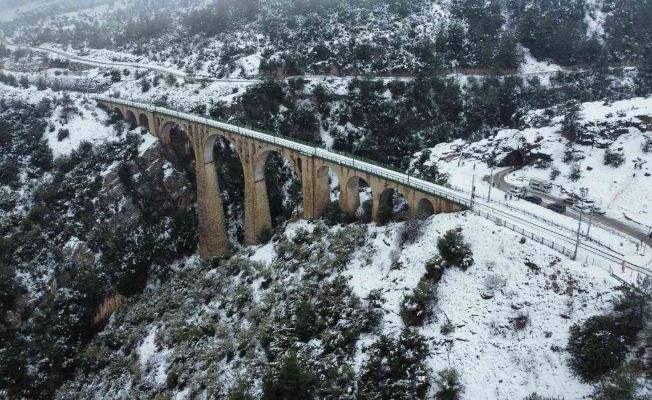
89,234
148,180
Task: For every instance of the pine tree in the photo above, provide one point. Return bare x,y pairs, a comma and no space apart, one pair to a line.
644,76
570,126
24,82
291,381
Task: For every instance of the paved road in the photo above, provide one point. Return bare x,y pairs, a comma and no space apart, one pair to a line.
499,179
179,74
110,64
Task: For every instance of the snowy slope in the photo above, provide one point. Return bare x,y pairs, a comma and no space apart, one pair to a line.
622,194
496,362
87,123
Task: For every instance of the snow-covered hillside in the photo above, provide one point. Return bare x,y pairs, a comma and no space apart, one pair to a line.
103,293
621,127
496,357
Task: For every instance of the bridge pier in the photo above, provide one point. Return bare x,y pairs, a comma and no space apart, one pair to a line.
260,217
213,239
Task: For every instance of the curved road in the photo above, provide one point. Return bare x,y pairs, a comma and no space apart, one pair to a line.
179,74
501,184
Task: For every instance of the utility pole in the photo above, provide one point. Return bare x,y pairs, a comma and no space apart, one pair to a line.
589,228
584,192
491,181
643,242
473,187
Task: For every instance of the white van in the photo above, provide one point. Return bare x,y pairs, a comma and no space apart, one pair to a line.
540,185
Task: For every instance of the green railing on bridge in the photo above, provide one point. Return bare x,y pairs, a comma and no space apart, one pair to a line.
310,149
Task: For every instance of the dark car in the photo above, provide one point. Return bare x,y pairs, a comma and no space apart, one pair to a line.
533,199
558,207
569,200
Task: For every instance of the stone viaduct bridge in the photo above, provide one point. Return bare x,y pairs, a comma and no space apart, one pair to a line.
312,165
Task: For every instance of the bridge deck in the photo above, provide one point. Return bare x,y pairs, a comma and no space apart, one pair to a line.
314,151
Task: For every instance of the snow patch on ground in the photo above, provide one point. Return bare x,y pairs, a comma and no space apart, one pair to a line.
153,361
532,66
88,126
148,141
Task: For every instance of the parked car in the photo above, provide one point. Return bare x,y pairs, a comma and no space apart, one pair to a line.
558,207
533,199
582,208
515,193
569,200
597,209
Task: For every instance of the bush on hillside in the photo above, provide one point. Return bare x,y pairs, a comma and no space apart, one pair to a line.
289,380
613,158
333,214
646,147
9,171
145,85
63,134
520,321
265,235
305,323
454,250
395,369
385,213
596,347
621,384
410,231
416,307
24,82
449,386
571,124
435,268
364,216
42,156
633,308
575,173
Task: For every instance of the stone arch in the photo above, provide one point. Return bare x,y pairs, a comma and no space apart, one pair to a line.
143,122
178,147
130,118
223,156
261,156
358,198
270,203
213,139
425,208
392,204
327,182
